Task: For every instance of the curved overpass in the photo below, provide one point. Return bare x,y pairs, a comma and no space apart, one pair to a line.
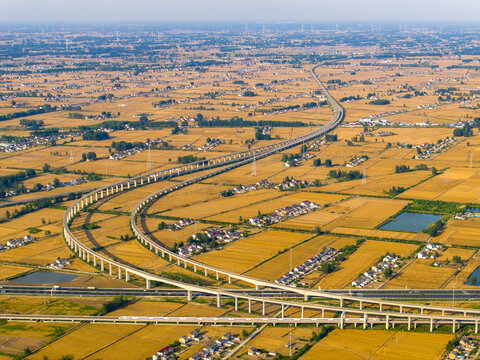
222,164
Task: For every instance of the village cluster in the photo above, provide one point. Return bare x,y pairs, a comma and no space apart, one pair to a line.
464,350
357,161
217,348
429,251
284,213
210,145
58,264
211,236
15,243
288,183
390,261
307,267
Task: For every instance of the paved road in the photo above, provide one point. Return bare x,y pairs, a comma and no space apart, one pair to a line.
417,294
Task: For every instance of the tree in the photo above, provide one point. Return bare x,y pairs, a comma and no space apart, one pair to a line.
328,163
434,171
388,272
91,156
245,333
46,168
318,230
84,157
473,280
56,182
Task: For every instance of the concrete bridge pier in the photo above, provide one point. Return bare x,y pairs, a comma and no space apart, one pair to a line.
303,312
194,268
476,326
249,306
94,261
127,276
361,305
365,319
263,308
102,265
229,279
219,300
119,272
217,276
283,311
148,284
431,324
206,272
236,303
387,322
189,295
110,270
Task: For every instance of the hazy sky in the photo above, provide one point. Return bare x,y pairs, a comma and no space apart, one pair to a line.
239,10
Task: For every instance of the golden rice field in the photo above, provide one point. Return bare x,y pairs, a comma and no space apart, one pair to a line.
364,213
86,340
280,265
421,275
276,339
377,344
242,255
461,232
461,279
9,271
367,255
270,206
384,234
221,205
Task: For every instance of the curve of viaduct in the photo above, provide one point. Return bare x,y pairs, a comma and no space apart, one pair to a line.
390,312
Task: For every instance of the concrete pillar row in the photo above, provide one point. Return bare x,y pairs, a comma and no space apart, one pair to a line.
119,272
127,276
102,265
110,268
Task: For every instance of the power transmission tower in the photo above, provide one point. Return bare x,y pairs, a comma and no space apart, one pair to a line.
71,156
364,177
254,166
149,160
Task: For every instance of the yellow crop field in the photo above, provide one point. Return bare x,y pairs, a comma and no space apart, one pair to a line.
134,253
421,275
364,213
85,341
221,205
246,253
8,271
147,308
385,234
461,232
376,344
271,205
42,252
280,265
361,260
461,279
448,254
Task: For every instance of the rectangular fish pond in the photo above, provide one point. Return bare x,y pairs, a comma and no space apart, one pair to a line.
411,222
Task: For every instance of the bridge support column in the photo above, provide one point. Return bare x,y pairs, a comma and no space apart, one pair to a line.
263,308
236,303
127,276
217,276
341,302
361,305
194,268
323,313
110,269
119,272
365,319
148,284
454,325
283,311
401,309
189,295
342,321
185,264
229,279
306,297
387,322
409,323
219,300
94,261
249,306
431,324
257,287
88,257
102,265
206,272
303,312
84,255
443,312
421,311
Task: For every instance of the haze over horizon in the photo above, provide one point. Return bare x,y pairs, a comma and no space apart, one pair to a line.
245,10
